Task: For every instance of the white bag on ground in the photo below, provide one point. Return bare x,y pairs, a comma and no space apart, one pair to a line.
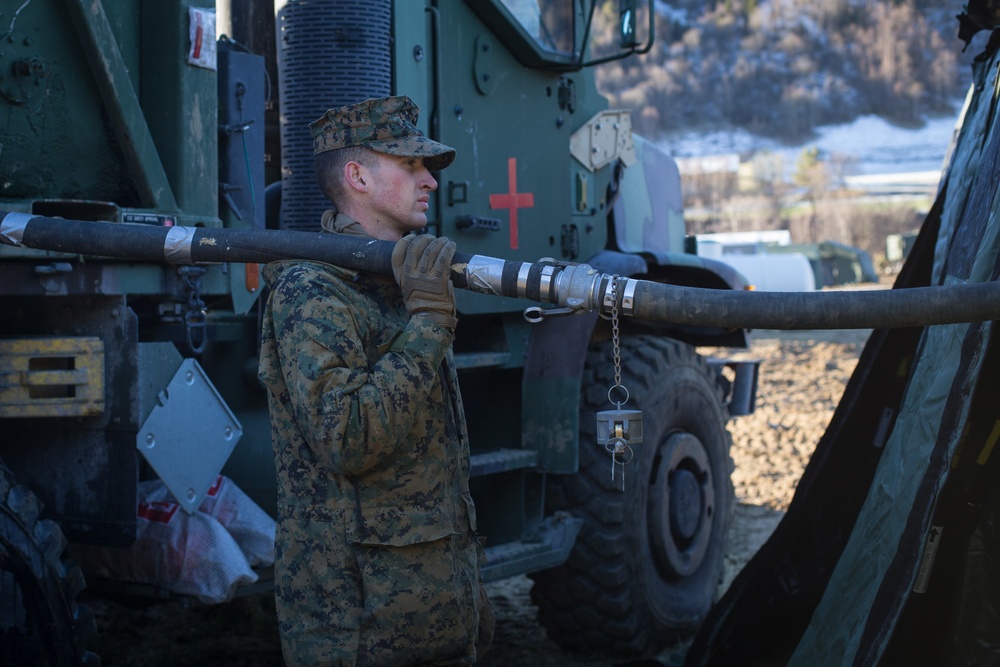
189,554
251,526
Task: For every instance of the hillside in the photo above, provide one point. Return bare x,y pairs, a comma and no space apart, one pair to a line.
780,68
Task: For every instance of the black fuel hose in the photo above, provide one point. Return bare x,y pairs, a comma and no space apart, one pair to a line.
577,287
199,245
853,309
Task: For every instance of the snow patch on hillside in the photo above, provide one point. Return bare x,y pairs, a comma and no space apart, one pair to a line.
874,145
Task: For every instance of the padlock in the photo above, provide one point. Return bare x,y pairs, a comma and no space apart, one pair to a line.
624,424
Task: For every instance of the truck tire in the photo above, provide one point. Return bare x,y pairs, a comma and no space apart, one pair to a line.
647,564
40,622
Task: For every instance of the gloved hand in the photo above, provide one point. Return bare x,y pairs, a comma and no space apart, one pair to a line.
422,267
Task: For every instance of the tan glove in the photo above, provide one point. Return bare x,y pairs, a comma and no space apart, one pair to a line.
422,267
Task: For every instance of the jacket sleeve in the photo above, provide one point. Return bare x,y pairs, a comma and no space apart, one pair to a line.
352,414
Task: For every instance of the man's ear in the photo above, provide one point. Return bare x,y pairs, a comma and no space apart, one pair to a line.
356,176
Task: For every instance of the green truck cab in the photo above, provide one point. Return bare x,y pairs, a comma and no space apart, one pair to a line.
116,372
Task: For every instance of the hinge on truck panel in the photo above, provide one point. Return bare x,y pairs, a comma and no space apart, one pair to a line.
52,377
570,242
567,94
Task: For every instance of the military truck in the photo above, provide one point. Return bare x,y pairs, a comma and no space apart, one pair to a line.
115,372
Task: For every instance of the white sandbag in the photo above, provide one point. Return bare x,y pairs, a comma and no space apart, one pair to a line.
251,527
185,554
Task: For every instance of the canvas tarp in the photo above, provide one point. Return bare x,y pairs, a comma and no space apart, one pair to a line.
886,554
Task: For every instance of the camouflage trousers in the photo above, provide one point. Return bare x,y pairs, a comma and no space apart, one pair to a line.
373,605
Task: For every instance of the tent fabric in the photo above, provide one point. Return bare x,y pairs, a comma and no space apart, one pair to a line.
888,489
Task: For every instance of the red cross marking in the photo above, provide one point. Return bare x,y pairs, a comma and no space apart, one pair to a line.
512,200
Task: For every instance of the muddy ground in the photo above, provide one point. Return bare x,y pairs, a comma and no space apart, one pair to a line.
803,375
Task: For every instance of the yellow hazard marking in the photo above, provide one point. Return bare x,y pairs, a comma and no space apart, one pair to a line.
52,377
990,441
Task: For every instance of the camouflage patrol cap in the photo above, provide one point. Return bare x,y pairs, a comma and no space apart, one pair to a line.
386,125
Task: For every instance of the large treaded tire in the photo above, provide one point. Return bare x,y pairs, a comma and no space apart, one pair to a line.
646,567
41,624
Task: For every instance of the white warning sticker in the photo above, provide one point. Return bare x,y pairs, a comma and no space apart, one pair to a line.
201,51
927,563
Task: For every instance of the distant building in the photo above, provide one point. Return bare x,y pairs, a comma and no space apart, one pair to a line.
708,178
728,173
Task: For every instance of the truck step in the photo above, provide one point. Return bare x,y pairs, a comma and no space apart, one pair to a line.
742,398
468,360
502,460
548,547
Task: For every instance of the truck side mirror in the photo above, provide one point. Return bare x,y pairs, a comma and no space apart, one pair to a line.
626,24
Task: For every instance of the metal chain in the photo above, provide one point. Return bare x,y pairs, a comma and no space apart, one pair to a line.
614,332
195,323
617,421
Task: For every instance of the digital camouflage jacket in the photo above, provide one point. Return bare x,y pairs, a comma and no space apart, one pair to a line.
376,554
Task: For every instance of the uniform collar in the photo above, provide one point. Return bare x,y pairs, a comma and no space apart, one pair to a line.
338,223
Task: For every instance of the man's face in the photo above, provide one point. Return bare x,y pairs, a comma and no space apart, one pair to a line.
400,194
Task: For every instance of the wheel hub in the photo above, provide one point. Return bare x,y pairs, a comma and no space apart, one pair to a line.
685,505
681,505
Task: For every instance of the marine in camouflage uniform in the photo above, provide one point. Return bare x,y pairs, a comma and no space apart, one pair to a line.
376,553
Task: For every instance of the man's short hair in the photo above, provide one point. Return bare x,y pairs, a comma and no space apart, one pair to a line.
329,167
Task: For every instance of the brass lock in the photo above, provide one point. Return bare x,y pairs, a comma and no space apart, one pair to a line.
616,431
623,424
